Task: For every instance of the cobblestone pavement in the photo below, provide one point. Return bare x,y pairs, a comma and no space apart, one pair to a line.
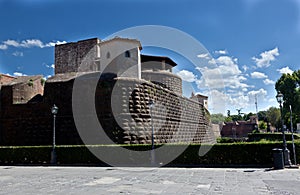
114,180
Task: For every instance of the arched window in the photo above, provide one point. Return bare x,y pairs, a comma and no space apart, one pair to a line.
127,54
108,55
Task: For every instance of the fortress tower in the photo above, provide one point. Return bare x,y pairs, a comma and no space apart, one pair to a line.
118,56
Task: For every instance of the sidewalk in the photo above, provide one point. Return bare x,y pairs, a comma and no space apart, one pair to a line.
114,180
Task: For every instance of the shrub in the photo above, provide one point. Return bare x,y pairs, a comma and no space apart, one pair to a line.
271,136
30,83
220,155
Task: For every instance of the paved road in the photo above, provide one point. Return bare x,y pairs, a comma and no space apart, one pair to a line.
101,180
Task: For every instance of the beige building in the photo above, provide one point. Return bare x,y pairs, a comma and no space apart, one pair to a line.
118,55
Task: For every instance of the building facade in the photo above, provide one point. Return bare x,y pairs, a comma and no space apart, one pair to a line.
124,78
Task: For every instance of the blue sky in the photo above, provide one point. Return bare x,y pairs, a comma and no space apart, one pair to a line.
251,41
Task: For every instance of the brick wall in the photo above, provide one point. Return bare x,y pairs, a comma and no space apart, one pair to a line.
167,79
4,79
68,57
175,119
237,129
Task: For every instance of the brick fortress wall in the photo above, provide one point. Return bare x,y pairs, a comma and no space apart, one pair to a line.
175,118
167,79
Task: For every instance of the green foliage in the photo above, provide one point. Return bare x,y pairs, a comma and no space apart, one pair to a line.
207,115
271,137
224,140
288,85
236,117
255,131
222,155
262,125
273,116
228,119
230,140
217,118
246,117
43,81
262,115
30,83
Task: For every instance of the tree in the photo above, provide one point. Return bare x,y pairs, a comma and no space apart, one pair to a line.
262,115
273,116
247,116
262,125
288,85
236,117
217,118
228,119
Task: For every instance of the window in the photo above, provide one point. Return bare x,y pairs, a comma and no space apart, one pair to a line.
108,55
127,54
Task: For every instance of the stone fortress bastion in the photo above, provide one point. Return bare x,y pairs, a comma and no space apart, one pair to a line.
127,82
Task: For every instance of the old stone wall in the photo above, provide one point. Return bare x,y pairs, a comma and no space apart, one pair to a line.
175,119
164,78
22,89
123,110
4,79
237,129
68,57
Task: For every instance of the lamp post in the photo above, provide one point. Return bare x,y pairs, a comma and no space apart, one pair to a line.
286,152
151,105
292,130
54,111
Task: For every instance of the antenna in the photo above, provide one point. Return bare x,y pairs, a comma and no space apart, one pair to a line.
256,107
256,103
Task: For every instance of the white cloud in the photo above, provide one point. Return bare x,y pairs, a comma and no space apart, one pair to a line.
204,56
11,43
245,68
272,100
187,76
221,52
50,66
29,43
285,70
226,73
19,74
266,58
18,53
46,77
52,44
258,75
219,101
3,47
269,82
261,92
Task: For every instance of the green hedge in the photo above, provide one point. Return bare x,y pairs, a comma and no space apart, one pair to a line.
271,136
220,155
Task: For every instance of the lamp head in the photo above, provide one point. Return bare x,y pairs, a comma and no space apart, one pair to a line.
279,97
54,109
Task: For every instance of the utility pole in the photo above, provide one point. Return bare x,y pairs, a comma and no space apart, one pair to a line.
256,105
256,111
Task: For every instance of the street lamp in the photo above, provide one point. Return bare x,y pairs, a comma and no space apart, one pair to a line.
292,130
286,152
151,105
54,111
